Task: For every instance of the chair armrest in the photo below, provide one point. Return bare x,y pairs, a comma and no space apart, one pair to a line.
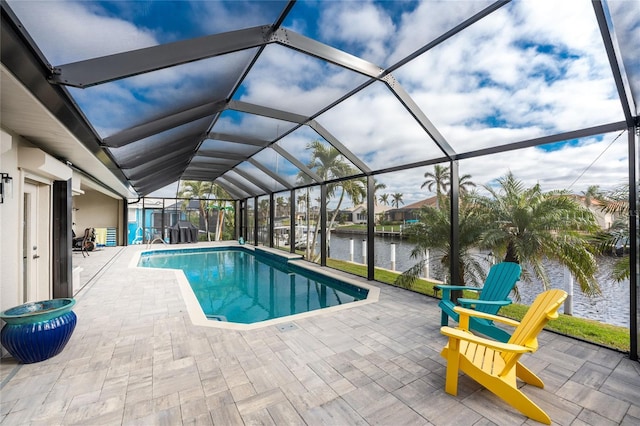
456,333
447,289
457,287
464,312
465,303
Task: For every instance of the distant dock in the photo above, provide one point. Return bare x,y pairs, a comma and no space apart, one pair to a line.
378,232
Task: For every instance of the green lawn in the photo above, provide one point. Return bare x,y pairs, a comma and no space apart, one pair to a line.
607,335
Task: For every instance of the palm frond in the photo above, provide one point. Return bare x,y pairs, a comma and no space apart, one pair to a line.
621,269
410,276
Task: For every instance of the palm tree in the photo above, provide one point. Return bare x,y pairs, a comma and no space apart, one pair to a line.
328,163
437,182
466,185
376,187
616,202
221,197
263,219
303,202
440,180
195,189
353,188
592,192
281,206
397,200
263,210
433,231
384,199
527,226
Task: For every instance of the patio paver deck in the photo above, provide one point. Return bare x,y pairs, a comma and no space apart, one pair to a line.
136,359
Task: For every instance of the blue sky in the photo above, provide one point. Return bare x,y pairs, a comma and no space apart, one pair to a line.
530,69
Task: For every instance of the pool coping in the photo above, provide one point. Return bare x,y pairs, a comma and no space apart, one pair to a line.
196,314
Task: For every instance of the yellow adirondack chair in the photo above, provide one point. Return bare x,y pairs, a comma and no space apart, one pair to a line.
495,365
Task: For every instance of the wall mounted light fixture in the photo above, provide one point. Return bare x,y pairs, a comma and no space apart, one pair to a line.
6,186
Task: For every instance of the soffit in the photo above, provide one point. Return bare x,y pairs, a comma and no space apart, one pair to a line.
24,114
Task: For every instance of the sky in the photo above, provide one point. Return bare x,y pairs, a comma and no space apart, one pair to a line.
530,69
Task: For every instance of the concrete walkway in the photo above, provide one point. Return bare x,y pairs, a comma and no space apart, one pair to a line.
136,359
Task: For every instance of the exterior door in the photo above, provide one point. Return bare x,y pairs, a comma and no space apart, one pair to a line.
36,282
30,256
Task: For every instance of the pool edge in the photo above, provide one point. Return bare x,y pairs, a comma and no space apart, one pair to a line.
197,316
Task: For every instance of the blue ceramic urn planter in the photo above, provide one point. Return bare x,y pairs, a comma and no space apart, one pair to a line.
37,331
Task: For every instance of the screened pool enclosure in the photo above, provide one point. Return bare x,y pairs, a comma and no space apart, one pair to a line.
307,115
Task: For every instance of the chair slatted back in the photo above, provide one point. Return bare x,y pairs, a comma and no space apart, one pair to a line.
543,309
500,281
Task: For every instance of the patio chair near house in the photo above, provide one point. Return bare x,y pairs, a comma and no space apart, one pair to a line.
496,365
86,243
493,295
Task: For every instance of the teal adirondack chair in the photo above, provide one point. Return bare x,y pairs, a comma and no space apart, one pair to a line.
493,295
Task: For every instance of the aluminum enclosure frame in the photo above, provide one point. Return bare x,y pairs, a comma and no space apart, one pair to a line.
143,175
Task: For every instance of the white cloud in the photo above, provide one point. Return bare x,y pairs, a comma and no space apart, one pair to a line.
220,16
530,69
379,130
69,31
626,23
102,104
429,20
250,125
592,162
567,23
492,82
362,26
296,142
292,81
601,164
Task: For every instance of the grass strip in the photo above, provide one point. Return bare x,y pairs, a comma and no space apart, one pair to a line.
610,336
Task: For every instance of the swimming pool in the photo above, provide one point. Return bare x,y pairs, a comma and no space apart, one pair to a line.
248,286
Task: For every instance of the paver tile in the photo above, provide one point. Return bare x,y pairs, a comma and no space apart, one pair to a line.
143,362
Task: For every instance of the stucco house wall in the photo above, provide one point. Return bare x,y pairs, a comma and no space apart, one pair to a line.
95,210
10,235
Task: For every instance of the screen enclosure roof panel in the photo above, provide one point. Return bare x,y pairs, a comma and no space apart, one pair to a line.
254,93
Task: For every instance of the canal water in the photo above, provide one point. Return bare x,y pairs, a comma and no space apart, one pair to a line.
611,307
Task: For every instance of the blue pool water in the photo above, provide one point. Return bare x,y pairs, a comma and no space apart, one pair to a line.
241,286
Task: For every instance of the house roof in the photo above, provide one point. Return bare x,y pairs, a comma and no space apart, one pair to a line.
378,208
431,201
